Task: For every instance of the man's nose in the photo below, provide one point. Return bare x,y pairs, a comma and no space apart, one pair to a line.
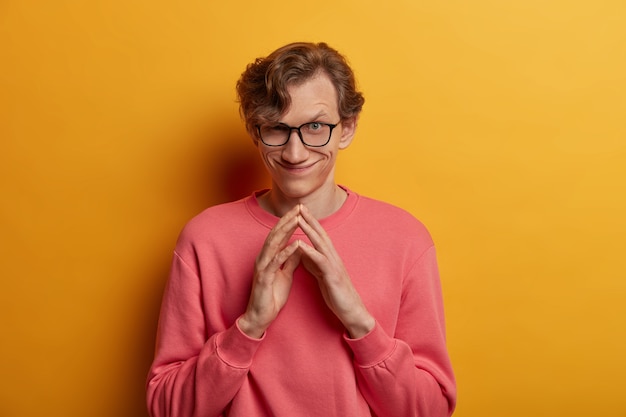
294,150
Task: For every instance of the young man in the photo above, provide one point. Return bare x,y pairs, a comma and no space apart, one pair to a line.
306,299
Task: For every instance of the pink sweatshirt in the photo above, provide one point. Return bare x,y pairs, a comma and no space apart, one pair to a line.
304,365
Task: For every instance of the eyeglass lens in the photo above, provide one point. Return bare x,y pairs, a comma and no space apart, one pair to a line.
312,134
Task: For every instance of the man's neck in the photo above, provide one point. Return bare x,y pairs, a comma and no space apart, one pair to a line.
321,204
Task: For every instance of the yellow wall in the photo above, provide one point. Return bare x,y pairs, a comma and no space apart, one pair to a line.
501,124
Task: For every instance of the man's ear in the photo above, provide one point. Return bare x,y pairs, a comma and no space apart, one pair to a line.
348,129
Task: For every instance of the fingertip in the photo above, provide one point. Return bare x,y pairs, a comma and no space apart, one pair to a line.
302,246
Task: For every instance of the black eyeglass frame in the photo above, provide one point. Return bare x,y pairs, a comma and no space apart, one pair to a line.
297,129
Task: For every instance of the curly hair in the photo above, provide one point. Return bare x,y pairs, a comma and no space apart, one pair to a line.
262,89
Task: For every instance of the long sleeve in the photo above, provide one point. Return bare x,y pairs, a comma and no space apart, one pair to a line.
409,372
190,375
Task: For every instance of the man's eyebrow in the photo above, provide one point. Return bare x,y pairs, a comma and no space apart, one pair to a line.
319,115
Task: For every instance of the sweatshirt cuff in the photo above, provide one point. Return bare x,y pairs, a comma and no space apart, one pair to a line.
373,348
236,348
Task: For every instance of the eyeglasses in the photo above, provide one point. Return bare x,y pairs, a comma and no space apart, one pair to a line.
314,134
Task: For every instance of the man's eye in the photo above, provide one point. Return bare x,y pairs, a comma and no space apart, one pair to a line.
313,126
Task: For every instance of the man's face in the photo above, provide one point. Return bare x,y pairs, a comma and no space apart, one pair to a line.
302,172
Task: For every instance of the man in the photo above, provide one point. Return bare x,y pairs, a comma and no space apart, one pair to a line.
306,299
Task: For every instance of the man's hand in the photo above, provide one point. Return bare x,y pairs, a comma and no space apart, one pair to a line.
273,275
323,262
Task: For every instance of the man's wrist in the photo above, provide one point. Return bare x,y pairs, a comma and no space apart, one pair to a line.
250,329
360,328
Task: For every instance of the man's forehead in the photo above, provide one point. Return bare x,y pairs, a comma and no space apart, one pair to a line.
317,97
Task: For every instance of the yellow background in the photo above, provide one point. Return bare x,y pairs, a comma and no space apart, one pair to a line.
501,124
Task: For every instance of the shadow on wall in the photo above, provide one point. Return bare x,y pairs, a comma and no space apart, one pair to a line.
228,169
225,168
240,171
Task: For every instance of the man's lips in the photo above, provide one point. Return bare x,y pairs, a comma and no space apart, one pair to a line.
297,168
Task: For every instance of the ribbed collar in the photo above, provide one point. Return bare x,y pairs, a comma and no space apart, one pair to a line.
269,220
